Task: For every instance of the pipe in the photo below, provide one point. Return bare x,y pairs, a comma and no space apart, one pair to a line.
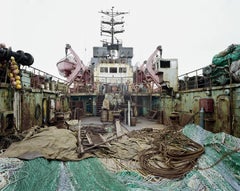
201,122
129,110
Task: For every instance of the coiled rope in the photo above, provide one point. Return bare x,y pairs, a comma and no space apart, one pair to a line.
172,155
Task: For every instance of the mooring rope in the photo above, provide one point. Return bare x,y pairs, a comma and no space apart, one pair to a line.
172,155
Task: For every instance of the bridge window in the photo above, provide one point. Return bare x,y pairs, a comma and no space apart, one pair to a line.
104,69
113,69
165,63
122,70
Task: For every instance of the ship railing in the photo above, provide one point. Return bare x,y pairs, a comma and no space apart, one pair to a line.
189,80
205,77
36,78
114,80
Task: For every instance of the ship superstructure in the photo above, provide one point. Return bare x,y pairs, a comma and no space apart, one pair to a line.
110,81
112,62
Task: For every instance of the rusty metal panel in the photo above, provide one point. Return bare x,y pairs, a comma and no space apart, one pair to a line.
195,108
195,104
236,112
236,107
207,104
26,119
6,98
223,111
27,104
236,127
32,109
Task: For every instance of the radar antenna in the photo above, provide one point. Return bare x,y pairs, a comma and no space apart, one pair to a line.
113,21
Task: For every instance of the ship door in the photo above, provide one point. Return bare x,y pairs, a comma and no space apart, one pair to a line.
195,108
223,109
44,111
6,122
51,110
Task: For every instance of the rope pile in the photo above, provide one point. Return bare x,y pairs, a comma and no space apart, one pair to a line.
171,156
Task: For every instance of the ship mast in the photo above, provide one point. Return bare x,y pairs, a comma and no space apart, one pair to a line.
112,22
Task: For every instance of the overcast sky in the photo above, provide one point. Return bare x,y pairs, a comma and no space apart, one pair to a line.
192,31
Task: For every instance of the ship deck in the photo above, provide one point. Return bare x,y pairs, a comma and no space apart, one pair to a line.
141,123
118,167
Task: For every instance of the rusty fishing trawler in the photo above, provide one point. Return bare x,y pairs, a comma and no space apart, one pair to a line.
154,88
112,126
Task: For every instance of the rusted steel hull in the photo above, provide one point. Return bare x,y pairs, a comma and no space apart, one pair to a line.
37,103
221,108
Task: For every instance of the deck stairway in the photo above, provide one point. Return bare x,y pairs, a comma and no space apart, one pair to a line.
99,100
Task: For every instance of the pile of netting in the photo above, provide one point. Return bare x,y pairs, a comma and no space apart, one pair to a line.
216,169
8,170
43,175
232,53
225,66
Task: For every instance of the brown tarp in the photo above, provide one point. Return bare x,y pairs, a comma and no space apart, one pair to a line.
61,144
50,143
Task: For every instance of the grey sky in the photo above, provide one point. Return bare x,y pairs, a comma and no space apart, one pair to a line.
192,31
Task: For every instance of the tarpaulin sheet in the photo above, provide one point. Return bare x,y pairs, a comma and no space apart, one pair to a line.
50,143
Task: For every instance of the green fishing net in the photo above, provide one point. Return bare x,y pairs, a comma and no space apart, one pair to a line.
232,53
217,169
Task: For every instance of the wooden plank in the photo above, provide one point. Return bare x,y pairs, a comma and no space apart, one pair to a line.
79,140
89,139
94,146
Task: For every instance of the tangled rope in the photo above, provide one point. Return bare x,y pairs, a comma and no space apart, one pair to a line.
219,160
172,155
